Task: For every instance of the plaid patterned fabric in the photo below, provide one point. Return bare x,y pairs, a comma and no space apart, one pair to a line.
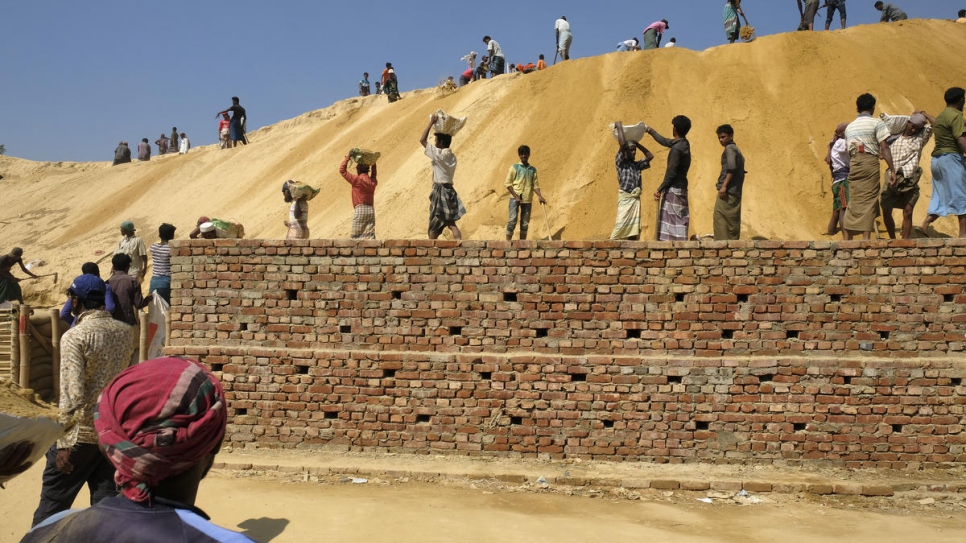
907,151
675,216
364,222
173,417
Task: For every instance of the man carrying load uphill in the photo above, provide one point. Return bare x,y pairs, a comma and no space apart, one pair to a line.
445,207
628,224
363,192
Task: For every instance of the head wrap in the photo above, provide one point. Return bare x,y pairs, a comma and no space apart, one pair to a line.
840,129
158,419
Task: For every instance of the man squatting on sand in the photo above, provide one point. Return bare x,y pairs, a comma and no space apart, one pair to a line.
159,425
363,196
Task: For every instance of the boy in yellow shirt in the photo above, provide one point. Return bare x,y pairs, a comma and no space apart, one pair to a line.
521,183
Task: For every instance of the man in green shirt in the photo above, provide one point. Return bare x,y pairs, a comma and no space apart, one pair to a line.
948,163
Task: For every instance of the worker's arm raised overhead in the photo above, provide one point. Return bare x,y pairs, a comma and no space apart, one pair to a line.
424,139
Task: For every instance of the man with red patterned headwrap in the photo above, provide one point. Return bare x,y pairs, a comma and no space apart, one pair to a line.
160,423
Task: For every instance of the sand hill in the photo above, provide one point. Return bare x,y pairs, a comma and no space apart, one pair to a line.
784,95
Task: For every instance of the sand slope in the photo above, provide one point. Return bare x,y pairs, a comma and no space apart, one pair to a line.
784,94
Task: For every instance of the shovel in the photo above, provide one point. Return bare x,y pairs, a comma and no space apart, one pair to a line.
54,275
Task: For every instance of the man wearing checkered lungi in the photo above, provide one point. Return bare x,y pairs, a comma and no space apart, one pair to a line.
363,192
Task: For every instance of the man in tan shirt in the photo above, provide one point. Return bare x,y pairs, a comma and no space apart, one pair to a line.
92,352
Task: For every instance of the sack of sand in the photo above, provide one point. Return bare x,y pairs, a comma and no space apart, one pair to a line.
633,133
446,124
896,123
26,423
364,156
299,189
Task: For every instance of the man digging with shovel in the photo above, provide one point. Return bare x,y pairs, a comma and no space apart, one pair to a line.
9,285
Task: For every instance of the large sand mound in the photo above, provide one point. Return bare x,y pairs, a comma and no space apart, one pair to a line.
784,94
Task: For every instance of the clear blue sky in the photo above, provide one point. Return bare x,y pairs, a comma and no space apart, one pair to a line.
77,77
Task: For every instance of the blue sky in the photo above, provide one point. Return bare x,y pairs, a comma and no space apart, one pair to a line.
77,77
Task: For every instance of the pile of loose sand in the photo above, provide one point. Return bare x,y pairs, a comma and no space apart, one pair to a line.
20,402
784,95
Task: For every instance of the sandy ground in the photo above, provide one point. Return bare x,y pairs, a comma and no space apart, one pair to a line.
302,507
784,95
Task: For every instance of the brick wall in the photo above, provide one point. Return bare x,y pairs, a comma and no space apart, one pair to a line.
846,352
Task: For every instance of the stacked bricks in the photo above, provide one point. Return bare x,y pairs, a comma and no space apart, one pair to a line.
848,352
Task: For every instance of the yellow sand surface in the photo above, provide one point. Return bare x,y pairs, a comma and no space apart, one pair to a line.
784,95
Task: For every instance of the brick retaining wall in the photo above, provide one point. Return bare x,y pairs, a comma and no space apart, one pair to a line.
846,352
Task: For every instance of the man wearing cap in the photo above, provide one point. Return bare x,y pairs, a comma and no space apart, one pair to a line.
654,33
133,247
564,37
903,192
160,423
91,353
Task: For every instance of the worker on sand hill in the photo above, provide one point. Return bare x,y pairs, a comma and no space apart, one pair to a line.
632,44
890,13
675,216
495,54
867,138
521,182
563,37
833,6
9,285
731,181
445,207
159,424
837,159
906,154
807,13
122,154
653,34
363,197
732,23
948,162
133,247
628,224
238,122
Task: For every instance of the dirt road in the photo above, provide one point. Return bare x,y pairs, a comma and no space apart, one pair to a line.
290,510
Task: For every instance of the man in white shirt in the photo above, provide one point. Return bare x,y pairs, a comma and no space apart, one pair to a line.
672,43
564,37
133,247
445,207
497,60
